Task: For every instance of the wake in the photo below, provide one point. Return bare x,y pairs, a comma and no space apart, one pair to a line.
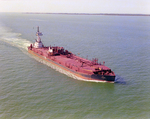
13,39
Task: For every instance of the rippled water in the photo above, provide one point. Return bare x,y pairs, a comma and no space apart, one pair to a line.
31,89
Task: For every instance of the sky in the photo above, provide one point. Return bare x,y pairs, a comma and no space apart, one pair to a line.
77,6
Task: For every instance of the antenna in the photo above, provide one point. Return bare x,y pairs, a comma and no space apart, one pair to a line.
37,28
38,33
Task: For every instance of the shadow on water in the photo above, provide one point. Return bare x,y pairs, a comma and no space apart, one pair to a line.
120,80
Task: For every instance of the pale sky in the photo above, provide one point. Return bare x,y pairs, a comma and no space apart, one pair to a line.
76,6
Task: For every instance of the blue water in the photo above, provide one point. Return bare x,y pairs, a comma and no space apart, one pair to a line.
29,88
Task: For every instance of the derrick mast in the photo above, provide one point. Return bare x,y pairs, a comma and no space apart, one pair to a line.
38,43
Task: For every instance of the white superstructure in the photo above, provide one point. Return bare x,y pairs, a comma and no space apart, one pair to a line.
38,43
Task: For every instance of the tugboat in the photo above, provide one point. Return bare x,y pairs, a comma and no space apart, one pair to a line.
70,64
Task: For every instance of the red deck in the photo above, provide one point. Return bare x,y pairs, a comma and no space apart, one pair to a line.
74,62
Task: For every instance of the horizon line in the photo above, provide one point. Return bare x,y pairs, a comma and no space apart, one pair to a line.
114,14
119,14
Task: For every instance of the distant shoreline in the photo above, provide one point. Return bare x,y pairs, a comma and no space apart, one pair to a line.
109,14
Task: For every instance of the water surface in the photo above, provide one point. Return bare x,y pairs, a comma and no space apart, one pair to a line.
31,89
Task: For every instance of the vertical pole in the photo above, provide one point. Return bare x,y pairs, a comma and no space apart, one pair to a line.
38,29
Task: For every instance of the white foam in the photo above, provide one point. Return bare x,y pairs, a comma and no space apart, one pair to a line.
13,39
